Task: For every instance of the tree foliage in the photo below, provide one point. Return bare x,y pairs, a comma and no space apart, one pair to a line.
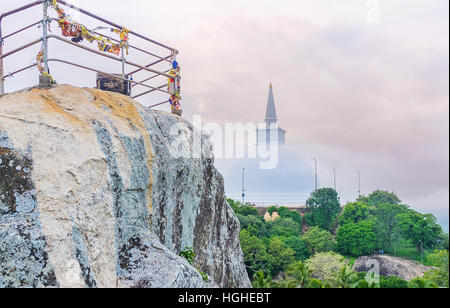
281,256
357,239
283,227
324,206
285,212
299,246
379,197
439,276
386,222
393,283
278,249
354,213
326,267
319,240
299,273
421,229
255,254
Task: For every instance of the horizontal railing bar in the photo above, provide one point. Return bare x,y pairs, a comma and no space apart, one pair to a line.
107,56
151,64
18,71
155,89
25,7
20,48
107,74
134,47
112,24
117,41
21,30
150,78
158,104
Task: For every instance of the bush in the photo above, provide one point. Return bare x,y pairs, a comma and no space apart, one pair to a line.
393,283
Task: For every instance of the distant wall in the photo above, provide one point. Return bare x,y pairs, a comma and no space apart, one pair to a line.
263,210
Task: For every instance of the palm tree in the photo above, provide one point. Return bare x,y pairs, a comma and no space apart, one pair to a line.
298,273
347,278
261,281
420,283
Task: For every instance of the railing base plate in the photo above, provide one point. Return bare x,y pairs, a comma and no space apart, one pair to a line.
45,81
177,112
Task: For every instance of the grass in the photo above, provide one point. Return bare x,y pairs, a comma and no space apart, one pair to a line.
404,250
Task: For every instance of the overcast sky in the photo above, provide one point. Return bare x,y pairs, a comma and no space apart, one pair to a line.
356,90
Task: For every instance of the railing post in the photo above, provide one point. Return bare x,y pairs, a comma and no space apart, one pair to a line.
45,34
123,62
2,81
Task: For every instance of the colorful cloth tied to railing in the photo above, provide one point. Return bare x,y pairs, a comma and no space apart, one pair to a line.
174,86
78,32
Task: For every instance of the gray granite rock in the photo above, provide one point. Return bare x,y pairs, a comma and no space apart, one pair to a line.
391,266
98,191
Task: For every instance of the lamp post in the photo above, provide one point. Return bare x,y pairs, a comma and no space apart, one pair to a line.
359,184
243,186
316,176
334,178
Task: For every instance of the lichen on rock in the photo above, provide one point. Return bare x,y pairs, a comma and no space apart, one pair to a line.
23,257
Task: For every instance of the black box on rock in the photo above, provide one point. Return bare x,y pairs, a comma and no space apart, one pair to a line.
118,85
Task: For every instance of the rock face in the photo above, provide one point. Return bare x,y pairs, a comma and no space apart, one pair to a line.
391,266
98,191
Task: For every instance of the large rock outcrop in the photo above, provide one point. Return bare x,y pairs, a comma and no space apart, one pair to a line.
392,266
98,191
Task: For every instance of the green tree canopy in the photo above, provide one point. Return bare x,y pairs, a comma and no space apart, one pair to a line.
280,256
285,212
283,227
242,209
354,213
324,206
379,196
298,245
255,253
319,240
326,267
261,281
439,276
356,238
255,225
386,224
347,278
393,283
421,229
298,272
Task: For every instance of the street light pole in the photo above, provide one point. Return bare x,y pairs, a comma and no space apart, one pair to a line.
334,178
243,186
359,184
317,180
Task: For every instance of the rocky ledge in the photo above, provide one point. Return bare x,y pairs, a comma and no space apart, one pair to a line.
98,191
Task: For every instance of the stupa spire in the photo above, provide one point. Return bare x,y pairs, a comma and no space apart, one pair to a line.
271,112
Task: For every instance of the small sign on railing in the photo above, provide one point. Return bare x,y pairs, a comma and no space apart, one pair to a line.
118,85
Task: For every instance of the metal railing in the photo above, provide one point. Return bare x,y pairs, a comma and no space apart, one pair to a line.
121,59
